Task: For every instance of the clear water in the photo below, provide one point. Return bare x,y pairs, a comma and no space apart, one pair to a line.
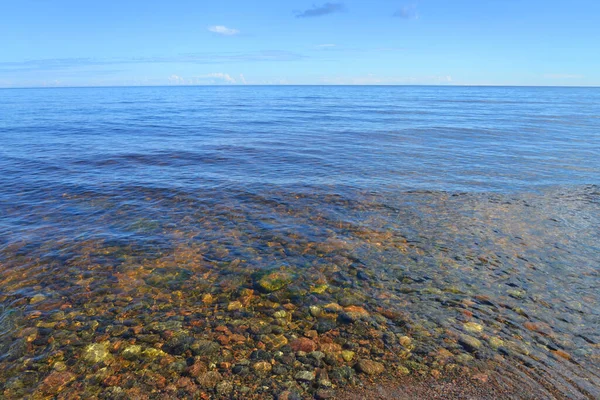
431,207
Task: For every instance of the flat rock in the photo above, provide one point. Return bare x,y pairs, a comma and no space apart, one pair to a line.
369,367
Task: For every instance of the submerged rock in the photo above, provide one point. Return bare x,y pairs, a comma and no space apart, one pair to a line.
369,367
178,344
96,352
469,343
273,281
306,376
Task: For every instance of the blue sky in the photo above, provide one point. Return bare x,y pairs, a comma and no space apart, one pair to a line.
148,42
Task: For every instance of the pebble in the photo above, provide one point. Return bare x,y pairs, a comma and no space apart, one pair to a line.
205,348
405,341
305,376
369,367
56,381
495,342
234,306
178,344
469,343
315,311
289,395
132,352
324,325
348,355
37,298
224,388
274,281
473,327
262,367
322,394
303,344
96,352
209,380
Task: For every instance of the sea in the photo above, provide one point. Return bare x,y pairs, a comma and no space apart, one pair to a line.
148,233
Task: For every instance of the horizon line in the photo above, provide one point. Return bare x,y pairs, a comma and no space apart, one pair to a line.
299,84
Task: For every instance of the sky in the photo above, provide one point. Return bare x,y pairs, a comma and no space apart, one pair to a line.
238,42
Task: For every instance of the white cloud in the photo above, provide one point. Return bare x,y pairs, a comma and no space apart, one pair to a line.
223,30
242,79
176,80
216,77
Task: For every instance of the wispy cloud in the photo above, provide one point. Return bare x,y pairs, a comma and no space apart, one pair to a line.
407,12
325,46
69,64
176,80
218,76
372,79
212,78
563,76
223,30
317,11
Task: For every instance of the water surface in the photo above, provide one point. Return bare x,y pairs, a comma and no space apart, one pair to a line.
433,230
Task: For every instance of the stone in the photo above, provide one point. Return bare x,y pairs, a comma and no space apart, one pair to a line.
561,354
240,370
151,352
324,325
275,341
224,388
330,348
405,341
323,379
205,348
464,358
319,289
315,311
37,298
369,367
303,344
59,366
469,343
197,369
262,367
132,352
209,380
323,394
495,342
473,327
234,306
57,381
178,344
289,395
96,352
274,281
348,355
402,370
306,376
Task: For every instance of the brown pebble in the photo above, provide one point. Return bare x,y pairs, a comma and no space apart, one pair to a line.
197,369
303,344
56,381
370,367
562,354
209,380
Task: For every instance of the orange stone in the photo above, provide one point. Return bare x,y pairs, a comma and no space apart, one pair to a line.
303,344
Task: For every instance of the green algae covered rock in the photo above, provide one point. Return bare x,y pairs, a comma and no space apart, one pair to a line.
273,280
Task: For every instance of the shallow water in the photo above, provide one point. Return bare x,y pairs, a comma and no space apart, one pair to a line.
431,230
